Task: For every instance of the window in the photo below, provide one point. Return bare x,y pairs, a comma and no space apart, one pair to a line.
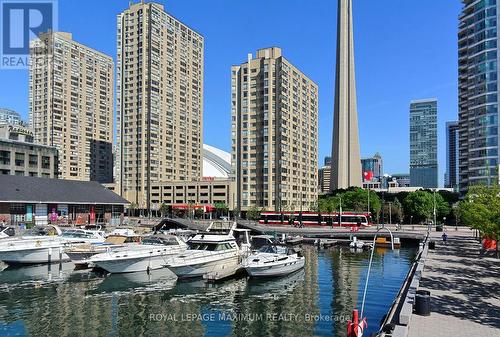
33,160
5,157
45,162
19,159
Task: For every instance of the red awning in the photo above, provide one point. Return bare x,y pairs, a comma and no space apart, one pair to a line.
205,208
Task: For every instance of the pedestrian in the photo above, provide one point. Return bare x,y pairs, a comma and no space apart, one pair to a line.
445,237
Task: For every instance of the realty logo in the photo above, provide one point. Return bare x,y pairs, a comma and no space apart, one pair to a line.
21,22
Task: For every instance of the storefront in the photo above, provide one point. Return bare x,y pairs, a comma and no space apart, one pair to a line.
39,201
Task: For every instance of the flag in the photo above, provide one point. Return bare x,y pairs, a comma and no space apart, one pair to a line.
367,175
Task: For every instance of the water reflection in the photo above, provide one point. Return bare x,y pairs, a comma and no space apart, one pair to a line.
42,301
157,280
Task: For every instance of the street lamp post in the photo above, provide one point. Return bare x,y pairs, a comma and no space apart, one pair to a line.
390,212
383,208
368,210
340,211
434,195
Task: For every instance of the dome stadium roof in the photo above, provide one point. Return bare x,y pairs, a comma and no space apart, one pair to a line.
216,162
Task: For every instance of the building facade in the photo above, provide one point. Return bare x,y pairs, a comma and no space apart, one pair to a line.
11,117
324,174
423,143
373,165
21,157
478,100
451,174
402,179
205,192
274,111
159,101
71,105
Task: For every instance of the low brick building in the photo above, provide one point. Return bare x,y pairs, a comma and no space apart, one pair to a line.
33,200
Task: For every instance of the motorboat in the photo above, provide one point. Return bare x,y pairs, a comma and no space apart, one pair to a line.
45,249
151,254
258,241
6,232
37,232
217,252
118,238
273,260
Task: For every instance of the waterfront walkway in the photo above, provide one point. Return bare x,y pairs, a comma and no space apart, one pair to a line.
465,290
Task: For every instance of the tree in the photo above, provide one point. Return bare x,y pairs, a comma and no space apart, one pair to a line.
481,210
393,211
253,213
133,207
198,213
164,209
314,207
327,204
221,208
420,205
398,211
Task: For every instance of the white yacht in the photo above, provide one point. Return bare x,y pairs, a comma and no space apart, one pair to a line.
117,239
6,232
273,261
151,254
45,249
219,250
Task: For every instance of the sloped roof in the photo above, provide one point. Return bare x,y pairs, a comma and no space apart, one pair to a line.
45,190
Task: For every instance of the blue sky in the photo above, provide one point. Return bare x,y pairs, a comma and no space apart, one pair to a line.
404,50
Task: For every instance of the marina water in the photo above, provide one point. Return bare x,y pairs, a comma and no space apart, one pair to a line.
58,301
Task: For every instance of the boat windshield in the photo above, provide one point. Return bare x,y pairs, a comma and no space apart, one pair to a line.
153,240
209,246
77,234
40,231
273,249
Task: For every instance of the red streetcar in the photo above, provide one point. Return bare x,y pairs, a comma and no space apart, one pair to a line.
314,219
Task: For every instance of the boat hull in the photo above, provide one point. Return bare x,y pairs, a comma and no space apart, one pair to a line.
81,259
34,256
202,268
275,269
132,265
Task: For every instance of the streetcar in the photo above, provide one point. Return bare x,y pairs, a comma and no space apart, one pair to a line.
314,219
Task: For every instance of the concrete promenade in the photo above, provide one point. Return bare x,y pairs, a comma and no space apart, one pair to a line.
465,290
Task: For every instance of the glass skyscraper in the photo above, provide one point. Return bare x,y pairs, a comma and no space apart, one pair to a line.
373,165
8,116
423,143
451,175
478,93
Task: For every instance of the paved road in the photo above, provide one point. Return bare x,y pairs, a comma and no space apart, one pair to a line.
465,291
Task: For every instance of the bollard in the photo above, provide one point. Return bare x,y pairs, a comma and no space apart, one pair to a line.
423,303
